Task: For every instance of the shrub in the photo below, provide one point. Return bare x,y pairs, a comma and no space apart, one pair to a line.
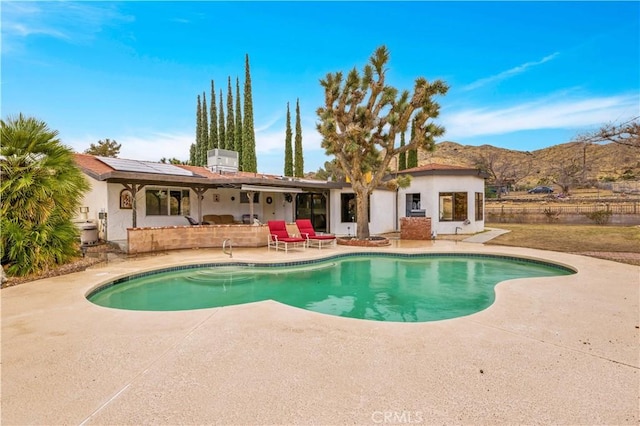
41,191
600,217
552,215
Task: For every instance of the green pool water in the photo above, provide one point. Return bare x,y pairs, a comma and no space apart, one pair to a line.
409,288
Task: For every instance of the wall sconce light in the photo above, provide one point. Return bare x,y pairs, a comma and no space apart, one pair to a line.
85,212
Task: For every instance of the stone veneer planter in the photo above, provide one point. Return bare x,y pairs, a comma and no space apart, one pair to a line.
369,242
145,240
415,228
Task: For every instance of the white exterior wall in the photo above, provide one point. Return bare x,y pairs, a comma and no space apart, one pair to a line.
107,196
382,217
96,200
387,207
429,188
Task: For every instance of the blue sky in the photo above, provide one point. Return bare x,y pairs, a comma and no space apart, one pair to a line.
522,75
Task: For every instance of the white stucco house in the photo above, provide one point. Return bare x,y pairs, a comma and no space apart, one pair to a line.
452,196
137,194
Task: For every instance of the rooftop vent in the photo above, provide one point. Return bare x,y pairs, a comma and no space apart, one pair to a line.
222,160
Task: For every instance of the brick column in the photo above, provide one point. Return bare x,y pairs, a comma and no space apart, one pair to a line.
415,228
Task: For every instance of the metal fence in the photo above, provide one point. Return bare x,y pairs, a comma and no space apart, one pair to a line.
599,213
625,187
626,208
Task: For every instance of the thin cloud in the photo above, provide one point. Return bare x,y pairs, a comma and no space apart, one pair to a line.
509,73
548,113
270,122
148,147
152,146
273,140
68,21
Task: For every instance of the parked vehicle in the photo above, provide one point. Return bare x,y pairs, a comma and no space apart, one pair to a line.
541,190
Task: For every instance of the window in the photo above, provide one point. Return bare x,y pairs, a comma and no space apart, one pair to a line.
244,197
348,208
453,206
167,202
412,204
479,206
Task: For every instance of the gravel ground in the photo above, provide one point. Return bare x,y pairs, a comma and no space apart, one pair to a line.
94,255
630,258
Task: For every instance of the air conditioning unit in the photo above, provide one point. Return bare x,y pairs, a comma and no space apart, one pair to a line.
222,160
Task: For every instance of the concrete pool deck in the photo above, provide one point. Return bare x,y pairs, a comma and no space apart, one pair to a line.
561,350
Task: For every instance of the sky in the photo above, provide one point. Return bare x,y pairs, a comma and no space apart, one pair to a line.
521,75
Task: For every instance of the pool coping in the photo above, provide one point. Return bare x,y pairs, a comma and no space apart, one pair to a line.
550,351
330,257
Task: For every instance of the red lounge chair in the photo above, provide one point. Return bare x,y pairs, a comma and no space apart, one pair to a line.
279,237
306,230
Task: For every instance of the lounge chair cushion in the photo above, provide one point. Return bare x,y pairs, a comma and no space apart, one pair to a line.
278,231
305,227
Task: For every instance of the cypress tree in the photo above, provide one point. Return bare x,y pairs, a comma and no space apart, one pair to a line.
231,139
213,129
205,130
299,160
222,137
249,161
412,158
198,133
288,151
403,155
192,154
238,132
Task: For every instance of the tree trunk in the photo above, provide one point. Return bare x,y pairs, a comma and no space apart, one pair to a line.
362,213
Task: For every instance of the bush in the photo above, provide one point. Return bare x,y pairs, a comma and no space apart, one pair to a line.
41,192
600,217
552,215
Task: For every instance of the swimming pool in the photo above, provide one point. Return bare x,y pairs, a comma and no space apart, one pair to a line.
379,286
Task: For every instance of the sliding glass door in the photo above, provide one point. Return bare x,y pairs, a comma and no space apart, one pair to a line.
313,206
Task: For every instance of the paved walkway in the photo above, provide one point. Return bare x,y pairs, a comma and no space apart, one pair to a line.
557,350
483,237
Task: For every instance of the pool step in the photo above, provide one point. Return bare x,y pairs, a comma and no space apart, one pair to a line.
237,274
222,275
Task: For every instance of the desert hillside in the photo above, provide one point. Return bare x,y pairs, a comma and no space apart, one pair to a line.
595,161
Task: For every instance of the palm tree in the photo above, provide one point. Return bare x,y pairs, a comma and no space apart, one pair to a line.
41,191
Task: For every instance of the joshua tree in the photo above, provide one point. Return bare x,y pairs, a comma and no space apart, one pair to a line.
360,120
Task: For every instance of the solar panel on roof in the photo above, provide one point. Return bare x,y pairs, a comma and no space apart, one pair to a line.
169,169
125,165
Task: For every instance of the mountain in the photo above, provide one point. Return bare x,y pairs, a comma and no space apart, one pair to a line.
609,162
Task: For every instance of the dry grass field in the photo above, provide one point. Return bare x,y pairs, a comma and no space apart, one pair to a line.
580,196
619,243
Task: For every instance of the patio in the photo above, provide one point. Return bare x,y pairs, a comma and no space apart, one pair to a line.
558,350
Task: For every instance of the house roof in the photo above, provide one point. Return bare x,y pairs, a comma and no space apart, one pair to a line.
433,169
203,177
200,176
